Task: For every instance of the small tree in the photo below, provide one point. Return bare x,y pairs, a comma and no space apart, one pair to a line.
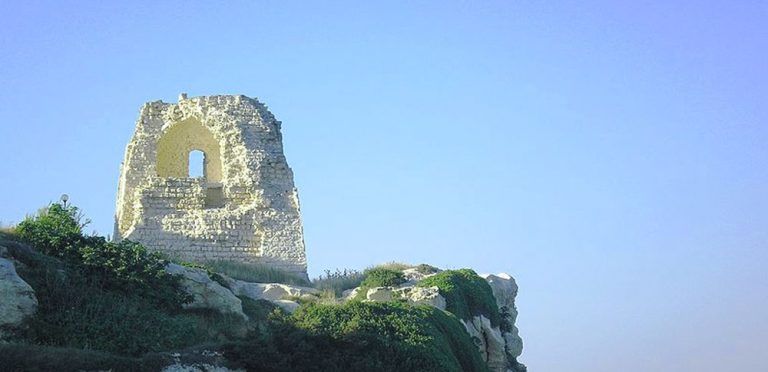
56,230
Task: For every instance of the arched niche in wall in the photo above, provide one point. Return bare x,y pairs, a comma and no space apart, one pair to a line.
176,144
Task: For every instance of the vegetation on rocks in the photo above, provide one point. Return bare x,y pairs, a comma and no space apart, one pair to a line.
359,336
466,294
381,276
99,295
338,281
106,305
125,266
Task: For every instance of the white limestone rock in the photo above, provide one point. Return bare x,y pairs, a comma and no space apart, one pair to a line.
413,275
489,341
349,294
505,289
423,296
206,293
513,343
380,294
17,299
276,293
267,291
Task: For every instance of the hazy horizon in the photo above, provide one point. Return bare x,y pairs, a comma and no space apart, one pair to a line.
611,156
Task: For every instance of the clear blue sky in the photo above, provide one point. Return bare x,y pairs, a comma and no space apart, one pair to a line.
612,156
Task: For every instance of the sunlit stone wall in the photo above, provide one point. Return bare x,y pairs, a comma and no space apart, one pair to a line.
244,208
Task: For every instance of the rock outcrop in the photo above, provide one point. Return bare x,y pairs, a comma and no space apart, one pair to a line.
206,293
499,345
423,296
17,299
223,297
505,290
277,293
489,340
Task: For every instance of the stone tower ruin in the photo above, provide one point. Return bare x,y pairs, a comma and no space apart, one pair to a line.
244,207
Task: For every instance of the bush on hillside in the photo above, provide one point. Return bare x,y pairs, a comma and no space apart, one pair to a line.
338,281
55,231
125,266
360,336
382,277
75,310
128,267
100,295
466,294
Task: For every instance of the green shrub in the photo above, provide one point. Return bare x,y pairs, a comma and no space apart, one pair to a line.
258,309
360,336
125,266
128,267
379,277
382,277
55,231
75,310
338,281
466,294
100,295
255,273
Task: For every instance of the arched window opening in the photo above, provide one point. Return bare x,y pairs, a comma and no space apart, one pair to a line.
197,164
188,149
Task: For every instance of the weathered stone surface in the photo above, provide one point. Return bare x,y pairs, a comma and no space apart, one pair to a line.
412,275
489,341
513,343
206,293
423,296
505,290
276,293
17,299
267,291
380,294
244,208
350,293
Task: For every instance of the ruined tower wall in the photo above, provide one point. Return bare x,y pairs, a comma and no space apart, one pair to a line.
245,209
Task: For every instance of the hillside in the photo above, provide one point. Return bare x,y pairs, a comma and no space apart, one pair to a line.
77,302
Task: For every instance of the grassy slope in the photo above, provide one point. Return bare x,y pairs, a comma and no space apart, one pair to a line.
84,326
